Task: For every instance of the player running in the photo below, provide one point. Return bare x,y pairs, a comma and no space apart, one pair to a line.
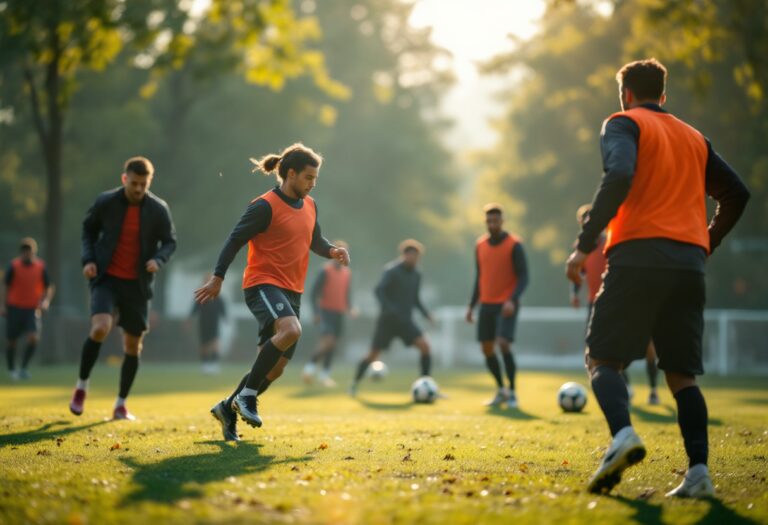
128,235
28,292
398,295
593,270
658,172
500,280
331,301
280,228
209,315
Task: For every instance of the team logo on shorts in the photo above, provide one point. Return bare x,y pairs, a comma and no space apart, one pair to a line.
280,307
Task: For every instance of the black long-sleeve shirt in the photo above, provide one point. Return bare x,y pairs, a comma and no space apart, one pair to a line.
519,266
317,291
256,220
619,143
398,291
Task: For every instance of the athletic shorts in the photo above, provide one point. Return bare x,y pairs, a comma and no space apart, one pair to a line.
492,325
123,297
331,323
208,334
638,305
269,303
389,327
21,321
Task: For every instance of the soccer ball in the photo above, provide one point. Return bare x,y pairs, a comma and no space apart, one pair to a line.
424,390
378,370
572,397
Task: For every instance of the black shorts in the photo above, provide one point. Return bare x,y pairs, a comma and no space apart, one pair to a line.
389,327
21,321
208,334
638,305
122,296
492,325
269,303
331,323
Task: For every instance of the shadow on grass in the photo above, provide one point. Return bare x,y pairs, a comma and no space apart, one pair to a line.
48,431
718,514
172,479
377,405
670,416
310,392
511,413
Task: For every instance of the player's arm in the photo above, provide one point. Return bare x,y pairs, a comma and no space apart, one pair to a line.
50,290
520,267
7,279
475,291
166,238
725,186
322,247
90,234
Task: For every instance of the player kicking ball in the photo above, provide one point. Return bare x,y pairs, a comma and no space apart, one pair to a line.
280,228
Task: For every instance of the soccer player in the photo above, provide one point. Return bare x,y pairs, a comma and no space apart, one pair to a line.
280,228
658,172
501,278
210,315
28,291
331,301
593,270
398,295
128,235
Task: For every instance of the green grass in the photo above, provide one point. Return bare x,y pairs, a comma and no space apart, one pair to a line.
324,458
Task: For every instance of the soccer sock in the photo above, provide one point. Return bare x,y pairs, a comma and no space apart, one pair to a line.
263,387
128,373
692,418
249,392
653,373
28,353
509,366
240,386
88,357
10,357
426,364
267,359
611,393
328,358
492,362
361,368
120,402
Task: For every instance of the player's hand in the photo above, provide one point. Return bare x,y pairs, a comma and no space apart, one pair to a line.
152,266
341,255
508,309
470,317
574,266
575,301
209,290
45,304
90,270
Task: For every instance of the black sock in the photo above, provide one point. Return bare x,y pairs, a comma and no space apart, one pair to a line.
653,373
28,353
611,393
88,357
328,357
692,418
426,364
316,357
263,387
239,387
268,358
10,357
361,368
509,366
128,373
492,362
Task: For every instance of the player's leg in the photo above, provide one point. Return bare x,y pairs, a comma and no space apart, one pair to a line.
324,345
324,376
14,331
625,376
10,358
132,347
101,325
653,374
486,335
365,362
33,339
384,333
505,336
425,355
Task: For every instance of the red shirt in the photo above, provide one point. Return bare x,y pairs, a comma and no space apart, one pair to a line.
27,286
497,276
335,293
125,259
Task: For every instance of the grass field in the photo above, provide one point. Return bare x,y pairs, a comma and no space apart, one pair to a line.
322,457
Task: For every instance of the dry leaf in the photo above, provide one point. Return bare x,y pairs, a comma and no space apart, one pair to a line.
115,446
449,457
523,467
323,446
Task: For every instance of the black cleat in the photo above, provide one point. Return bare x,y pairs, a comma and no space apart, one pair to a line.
246,406
228,420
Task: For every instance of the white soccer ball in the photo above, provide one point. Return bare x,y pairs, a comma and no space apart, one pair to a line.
572,397
424,390
378,370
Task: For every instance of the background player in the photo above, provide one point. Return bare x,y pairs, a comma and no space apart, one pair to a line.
28,292
128,235
210,315
500,280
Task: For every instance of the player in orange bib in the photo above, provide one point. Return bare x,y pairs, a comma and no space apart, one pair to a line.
28,291
502,277
280,228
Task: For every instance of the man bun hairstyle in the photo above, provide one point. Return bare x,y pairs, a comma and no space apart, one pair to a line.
139,166
295,157
646,79
411,245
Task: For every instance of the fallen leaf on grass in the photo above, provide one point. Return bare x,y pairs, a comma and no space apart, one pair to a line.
407,457
523,467
43,452
323,446
348,458
646,494
114,447
295,468
449,457
565,462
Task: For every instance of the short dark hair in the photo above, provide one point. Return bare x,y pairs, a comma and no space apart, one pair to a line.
28,243
492,207
139,166
296,157
411,245
647,79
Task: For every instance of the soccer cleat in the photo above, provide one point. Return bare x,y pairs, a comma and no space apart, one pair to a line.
228,420
24,375
78,401
499,399
326,380
246,406
308,373
121,413
511,399
696,484
352,390
626,450
653,398
14,375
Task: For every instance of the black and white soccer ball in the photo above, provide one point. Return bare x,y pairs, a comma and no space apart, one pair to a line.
572,397
378,370
424,390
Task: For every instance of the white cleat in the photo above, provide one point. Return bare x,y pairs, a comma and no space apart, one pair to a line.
499,399
626,450
326,380
511,399
308,374
696,484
